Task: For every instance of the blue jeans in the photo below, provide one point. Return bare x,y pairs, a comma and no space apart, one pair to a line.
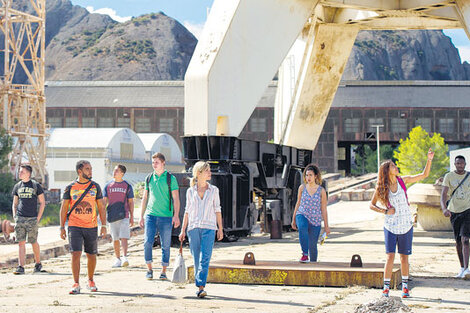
308,236
163,225
201,242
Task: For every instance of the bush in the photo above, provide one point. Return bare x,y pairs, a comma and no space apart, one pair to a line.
51,215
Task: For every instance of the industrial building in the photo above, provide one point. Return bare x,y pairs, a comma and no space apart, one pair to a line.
158,107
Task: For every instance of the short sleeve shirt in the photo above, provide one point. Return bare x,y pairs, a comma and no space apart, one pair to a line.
461,199
27,198
84,215
119,192
202,213
158,196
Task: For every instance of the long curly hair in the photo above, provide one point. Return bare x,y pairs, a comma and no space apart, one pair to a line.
314,168
383,182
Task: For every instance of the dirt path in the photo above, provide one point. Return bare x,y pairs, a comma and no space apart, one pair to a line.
126,289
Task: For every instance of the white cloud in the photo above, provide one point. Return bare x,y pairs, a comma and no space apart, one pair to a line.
112,14
464,52
195,29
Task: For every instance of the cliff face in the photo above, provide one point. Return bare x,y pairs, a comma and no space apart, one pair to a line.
84,46
405,55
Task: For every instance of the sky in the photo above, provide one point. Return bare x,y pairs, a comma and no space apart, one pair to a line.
193,13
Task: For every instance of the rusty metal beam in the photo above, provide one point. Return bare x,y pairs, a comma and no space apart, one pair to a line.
332,274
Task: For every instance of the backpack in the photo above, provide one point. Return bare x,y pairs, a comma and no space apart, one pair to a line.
168,181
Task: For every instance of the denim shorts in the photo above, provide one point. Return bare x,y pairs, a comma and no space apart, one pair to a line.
404,242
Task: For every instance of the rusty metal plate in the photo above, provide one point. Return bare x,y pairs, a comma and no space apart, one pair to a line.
334,274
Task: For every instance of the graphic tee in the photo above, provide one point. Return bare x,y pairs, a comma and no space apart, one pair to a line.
27,198
119,192
461,200
84,215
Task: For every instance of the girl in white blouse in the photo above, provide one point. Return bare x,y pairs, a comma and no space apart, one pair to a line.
203,218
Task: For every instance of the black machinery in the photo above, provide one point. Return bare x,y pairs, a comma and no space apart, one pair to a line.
243,169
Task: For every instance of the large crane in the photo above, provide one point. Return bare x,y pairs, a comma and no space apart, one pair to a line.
23,105
244,42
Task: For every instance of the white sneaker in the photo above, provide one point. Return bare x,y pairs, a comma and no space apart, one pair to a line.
466,274
124,261
117,263
459,275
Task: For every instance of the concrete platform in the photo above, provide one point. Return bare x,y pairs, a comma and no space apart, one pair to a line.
293,273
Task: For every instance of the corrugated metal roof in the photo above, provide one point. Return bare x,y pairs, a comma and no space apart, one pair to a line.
126,94
149,139
402,94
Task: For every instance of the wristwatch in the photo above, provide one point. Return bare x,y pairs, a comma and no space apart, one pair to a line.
62,228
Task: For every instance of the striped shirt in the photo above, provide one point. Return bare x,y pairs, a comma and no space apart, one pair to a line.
202,212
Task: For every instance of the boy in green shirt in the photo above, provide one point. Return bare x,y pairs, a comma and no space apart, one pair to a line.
160,211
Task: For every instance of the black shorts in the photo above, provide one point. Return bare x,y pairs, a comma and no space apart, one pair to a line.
80,237
461,224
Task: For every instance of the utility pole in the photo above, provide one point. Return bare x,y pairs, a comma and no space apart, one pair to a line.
378,145
24,106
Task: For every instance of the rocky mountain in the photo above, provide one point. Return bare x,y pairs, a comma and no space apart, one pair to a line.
405,55
84,46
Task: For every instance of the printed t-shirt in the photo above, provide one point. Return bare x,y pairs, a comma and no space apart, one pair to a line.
119,192
27,198
84,215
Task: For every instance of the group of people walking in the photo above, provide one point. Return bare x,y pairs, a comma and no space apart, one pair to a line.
202,221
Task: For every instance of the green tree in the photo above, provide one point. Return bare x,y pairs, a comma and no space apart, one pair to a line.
366,160
411,154
7,180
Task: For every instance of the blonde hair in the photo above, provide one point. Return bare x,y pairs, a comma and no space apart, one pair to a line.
198,168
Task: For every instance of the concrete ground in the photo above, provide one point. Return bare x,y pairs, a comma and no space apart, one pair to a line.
355,230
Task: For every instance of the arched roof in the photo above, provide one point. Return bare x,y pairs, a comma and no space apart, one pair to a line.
162,142
82,137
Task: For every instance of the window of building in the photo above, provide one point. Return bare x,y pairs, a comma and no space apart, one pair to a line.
466,125
65,175
127,151
166,125
124,122
351,125
55,121
398,125
373,122
88,122
341,153
142,125
258,125
446,125
105,122
123,118
425,123
71,122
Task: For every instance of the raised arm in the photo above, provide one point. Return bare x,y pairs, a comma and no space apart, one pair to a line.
409,179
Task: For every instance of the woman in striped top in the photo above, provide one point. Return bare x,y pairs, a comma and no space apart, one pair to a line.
203,218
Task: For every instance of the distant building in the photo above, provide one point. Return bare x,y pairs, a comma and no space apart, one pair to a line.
158,107
104,148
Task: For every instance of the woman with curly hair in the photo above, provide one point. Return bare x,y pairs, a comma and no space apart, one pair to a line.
309,212
398,227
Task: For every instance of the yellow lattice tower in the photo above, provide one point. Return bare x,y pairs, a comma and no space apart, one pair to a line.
23,105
